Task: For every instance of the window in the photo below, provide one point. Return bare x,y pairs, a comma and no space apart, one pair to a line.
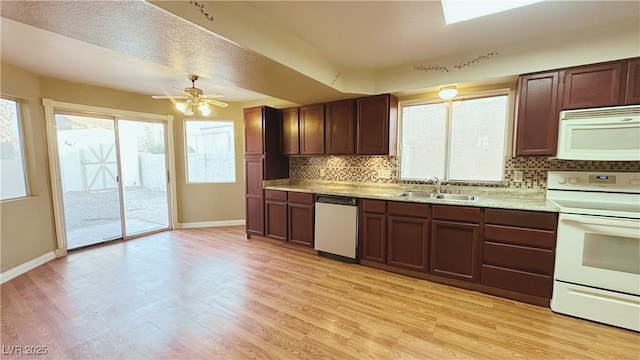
457,140
457,11
210,151
13,180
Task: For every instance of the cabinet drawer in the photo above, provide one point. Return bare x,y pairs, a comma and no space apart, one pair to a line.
519,281
529,237
302,198
519,257
528,219
373,206
461,213
409,209
276,195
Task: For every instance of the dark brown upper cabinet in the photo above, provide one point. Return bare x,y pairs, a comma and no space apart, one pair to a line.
290,131
377,125
253,130
537,107
340,127
594,86
312,130
262,131
632,95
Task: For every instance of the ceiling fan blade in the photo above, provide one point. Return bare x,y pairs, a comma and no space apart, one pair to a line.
168,97
183,92
216,102
210,96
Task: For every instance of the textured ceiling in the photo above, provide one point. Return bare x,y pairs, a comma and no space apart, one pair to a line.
305,51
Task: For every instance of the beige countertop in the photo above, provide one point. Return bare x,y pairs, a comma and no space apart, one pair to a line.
511,199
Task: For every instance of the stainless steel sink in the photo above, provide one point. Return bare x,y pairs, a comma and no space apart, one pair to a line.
456,197
414,194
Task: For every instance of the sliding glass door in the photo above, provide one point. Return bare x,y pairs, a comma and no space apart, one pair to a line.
113,177
144,176
87,159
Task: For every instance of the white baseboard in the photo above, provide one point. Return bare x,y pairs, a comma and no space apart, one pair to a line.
193,225
29,265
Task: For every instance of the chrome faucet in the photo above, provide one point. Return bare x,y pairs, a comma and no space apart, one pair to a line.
436,182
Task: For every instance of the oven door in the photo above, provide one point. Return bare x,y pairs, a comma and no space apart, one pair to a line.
598,251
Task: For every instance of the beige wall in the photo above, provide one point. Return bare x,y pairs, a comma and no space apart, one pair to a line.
28,225
27,229
211,202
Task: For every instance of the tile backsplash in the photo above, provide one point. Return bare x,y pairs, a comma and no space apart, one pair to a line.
364,169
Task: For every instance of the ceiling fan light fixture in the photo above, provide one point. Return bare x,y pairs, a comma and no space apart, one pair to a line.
448,92
193,99
204,108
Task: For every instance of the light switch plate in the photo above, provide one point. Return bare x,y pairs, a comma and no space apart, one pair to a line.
518,175
384,174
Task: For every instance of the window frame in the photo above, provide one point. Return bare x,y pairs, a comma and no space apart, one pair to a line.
23,149
448,104
186,152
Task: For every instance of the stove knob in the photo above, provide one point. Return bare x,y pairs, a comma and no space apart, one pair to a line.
562,180
573,180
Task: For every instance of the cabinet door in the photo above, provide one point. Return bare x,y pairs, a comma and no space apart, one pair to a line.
537,115
290,131
254,173
253,127
300,224
376,125
408,242
254,196
254,212
312,130
373,237
340,127
593,86
275,219
632,94
455,250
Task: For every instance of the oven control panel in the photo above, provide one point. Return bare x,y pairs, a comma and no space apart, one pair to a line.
602,179
594,181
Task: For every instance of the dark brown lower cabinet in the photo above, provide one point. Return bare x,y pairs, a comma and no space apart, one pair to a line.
408,238
254,208
372,230
408,235
455,242
519,251
300,219
454,249
275,209
254,195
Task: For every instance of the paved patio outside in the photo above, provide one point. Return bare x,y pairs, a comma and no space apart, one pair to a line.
94,217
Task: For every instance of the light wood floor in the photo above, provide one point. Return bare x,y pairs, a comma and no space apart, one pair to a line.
213,294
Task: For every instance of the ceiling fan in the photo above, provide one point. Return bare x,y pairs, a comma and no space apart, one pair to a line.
193,99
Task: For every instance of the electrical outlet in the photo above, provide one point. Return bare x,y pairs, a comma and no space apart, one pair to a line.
518,176
322,173
384,174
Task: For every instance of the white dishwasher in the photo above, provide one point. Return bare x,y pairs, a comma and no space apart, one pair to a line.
336,227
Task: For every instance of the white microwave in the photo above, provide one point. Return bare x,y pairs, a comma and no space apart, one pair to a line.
606,134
